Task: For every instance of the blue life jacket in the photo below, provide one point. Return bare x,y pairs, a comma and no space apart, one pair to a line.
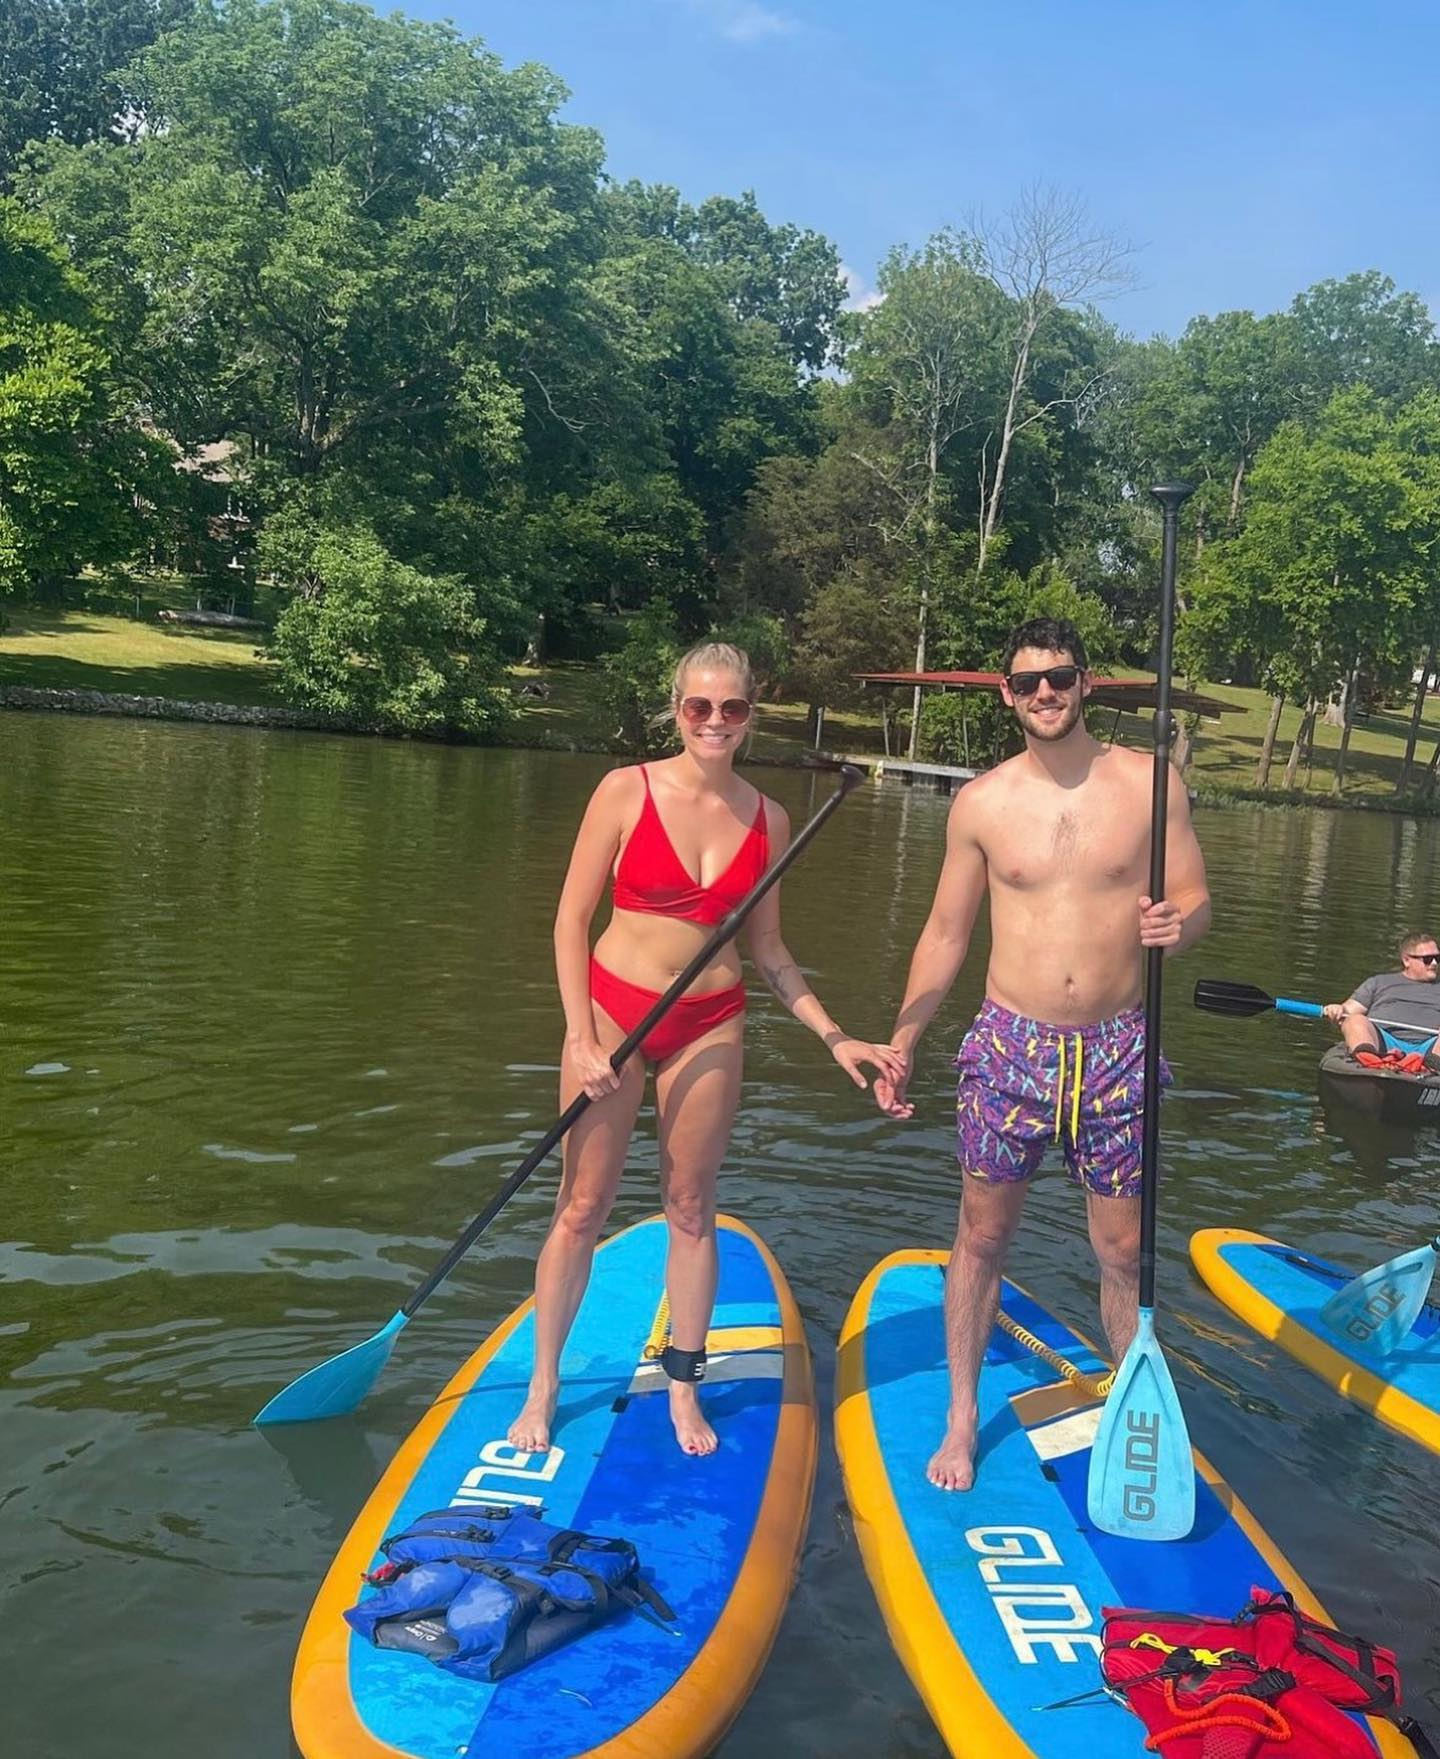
482,1591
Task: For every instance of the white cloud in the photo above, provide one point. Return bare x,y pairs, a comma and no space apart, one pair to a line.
743,21
858,297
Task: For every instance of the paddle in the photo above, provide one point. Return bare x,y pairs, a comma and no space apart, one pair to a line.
338,1385
1379,1307
1240,1000
1142,1473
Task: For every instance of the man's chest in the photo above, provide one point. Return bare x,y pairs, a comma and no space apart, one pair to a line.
1093,844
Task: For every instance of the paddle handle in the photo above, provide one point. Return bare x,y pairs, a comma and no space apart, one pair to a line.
725,931
1287,1005
1170,496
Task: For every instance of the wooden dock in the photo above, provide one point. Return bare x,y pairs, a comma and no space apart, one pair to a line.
945,778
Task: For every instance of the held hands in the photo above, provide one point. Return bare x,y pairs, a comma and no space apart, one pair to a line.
1160,924
890,1091
592,1068
851,1053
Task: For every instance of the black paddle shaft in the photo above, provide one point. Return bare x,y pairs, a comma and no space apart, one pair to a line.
1170,495
725,930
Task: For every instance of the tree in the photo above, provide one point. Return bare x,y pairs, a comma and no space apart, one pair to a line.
75,479
1043,256
925,372
1332,562
1215,399
1360,331
381,644
61,68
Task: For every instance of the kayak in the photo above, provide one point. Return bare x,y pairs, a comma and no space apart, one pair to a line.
1381,1093
718,1538
1279,1292
993,1596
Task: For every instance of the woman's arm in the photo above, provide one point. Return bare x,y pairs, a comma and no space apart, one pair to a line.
775,963
591,862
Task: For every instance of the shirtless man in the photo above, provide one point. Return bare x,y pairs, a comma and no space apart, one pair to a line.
1060,835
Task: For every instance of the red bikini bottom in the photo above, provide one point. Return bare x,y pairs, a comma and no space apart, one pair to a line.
688,1019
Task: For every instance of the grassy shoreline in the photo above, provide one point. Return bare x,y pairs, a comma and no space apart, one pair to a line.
96,650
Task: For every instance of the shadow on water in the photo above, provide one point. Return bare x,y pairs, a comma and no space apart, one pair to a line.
277,1013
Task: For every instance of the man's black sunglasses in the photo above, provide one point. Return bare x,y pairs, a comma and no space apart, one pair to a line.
1057,677
1424,958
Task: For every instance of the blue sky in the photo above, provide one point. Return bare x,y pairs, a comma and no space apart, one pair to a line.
1248,149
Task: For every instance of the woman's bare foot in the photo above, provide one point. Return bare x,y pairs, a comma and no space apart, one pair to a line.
691,1430
952,1465
530,1432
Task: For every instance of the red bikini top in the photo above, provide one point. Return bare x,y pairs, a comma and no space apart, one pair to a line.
652,879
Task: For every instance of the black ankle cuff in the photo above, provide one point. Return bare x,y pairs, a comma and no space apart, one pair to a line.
683,1364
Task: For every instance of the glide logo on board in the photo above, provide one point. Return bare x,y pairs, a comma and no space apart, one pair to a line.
1362,1326
1033,1613
1142,1464
500,1459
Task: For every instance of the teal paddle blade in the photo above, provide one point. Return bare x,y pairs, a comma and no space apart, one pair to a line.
1378,1308
338,1385
1142,1473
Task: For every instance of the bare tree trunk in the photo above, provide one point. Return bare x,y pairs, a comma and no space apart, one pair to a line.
1347,724
1302,739
932,466
1416,715
1427,787
1236,484
1180,755
995,495
1267,744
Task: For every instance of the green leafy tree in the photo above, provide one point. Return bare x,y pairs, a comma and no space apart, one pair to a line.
636,680
376,642
1332,565
61,68
1361,331
77,482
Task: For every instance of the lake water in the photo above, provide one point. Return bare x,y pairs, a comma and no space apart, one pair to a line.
277,1014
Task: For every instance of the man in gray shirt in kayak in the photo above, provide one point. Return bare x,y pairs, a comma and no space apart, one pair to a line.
1058,837
1408,998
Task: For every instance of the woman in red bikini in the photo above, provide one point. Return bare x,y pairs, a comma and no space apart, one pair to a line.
682,842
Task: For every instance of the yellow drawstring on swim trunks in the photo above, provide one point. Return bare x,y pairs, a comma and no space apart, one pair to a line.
1078,1076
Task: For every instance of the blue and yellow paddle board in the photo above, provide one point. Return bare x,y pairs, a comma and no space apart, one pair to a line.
993,1595
1280,1291
719,1538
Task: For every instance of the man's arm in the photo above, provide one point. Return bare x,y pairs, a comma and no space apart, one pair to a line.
943,943
1180,918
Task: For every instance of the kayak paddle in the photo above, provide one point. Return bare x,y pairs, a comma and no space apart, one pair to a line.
1142,1472
1240,1000
339,1385
1379,1307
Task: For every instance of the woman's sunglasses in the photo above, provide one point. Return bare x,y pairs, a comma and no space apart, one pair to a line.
1057,677
734,711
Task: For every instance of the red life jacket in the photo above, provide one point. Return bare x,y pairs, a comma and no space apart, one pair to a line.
1270,1683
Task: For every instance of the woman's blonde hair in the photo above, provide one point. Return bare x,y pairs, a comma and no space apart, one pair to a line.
715,656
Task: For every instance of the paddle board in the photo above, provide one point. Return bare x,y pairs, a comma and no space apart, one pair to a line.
1280,1291
719,1537
992,1596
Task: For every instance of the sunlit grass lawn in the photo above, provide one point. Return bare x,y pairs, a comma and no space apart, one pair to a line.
89,650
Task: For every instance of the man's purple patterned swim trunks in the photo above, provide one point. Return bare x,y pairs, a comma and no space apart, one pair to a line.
1025,1086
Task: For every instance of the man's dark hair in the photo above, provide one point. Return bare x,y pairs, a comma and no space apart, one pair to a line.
1056,635
1413,941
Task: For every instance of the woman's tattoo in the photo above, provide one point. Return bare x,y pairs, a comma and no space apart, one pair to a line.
778,977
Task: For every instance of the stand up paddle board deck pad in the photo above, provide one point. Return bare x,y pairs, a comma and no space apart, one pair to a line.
1279,1292
992,1596
718,1537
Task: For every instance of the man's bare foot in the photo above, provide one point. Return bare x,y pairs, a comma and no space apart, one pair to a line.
952,1465
691,1430
530,1432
